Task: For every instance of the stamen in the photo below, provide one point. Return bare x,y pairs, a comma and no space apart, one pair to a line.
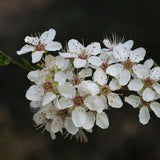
78,100
40,47
83,56
148,83
48,86
105,90
128,64
76,81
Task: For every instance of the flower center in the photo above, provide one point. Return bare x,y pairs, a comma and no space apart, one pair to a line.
48,86
76,81
128,64
78,100
105,90
83,56
104,66
63,113
148,83
40,47
144,103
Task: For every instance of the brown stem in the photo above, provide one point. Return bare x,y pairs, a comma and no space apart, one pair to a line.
14,62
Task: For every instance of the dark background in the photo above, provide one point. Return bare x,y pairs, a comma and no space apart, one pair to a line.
90,20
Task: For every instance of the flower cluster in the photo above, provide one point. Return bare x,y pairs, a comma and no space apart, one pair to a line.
73,90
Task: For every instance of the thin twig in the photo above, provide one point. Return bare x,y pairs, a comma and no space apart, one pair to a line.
14,62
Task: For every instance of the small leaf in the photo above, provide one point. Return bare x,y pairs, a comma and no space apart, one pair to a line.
4,60
28,65
54,92
55,83
155,64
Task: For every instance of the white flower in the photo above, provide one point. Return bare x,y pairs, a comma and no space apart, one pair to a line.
105,91
128,58
55,120
83,55
57,62
45,86
145,107
112,44
147,81
38,45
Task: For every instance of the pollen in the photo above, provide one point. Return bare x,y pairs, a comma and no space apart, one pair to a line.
54,58
114,96
111,101
50,60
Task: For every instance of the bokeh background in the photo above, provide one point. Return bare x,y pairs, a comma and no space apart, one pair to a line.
90,20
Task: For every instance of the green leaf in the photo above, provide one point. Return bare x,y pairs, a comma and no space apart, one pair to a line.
28,65
54,92
155,64
55,83
4,60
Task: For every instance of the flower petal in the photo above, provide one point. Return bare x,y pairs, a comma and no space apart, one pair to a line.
79,63
67,90
53,46
36,56
61,63
133,100
35,104
93,48
75,46
56,124
90,120
120,53
137,55
63,103
107,43
32,40
114,100
140,71
89,87
144,116
135,85
70,127
79,116
148,63
39,118
60,77
128,44
34,93
155,106
94,103
100,76
124,77
48,97
156,86
47,36
33,76
102,120
114,70
85,73
155,73
68,55
25,49
148,94
114,84
94,60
